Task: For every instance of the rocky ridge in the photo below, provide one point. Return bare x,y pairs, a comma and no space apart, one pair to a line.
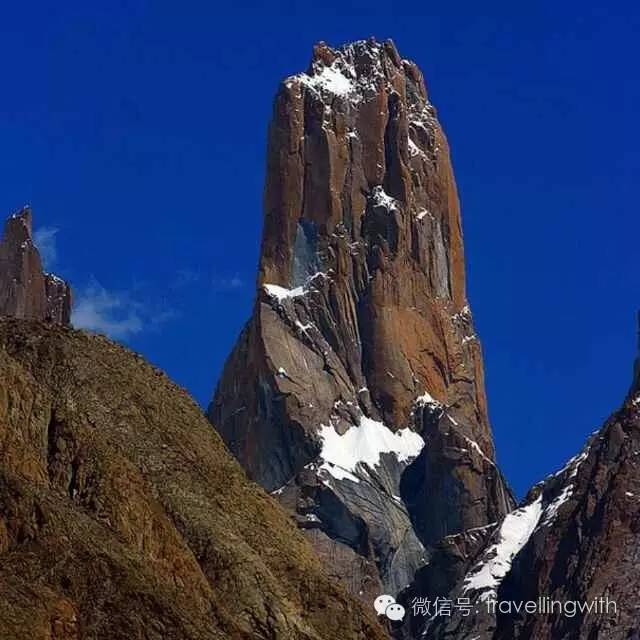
573,539
122,514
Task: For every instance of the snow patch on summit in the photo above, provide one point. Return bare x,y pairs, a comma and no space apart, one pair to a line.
331,79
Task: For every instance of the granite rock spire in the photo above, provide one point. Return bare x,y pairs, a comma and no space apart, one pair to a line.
26,290
355,392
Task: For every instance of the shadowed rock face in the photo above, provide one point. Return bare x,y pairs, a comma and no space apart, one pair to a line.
25,290
575,538
355,392
123,515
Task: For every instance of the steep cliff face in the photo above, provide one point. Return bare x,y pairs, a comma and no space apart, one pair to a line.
26,291
586,544
122,514
572,543
355,392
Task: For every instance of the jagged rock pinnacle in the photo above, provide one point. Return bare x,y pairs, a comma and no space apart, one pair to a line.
356,390
26,291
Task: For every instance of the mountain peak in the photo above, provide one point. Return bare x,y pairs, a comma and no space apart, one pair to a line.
363,405
26,290
19,225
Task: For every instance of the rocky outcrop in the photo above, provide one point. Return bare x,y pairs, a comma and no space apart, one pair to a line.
570,550
355,392
585,547
26,291
122,514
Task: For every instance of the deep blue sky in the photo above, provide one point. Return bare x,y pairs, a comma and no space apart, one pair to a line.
137,130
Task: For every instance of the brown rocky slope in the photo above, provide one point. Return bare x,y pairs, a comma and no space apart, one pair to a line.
122,515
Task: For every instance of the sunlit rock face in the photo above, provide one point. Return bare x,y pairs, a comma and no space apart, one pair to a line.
26,291
355,392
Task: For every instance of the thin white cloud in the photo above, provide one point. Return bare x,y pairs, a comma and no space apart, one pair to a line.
159,318
227,283
184,278
218,283
97,309
45,240
115,313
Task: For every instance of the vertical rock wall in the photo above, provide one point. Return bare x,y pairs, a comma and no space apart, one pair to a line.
355,392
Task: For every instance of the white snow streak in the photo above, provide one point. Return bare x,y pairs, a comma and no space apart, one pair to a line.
574,464
414,149
282,293
476,447
515,531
